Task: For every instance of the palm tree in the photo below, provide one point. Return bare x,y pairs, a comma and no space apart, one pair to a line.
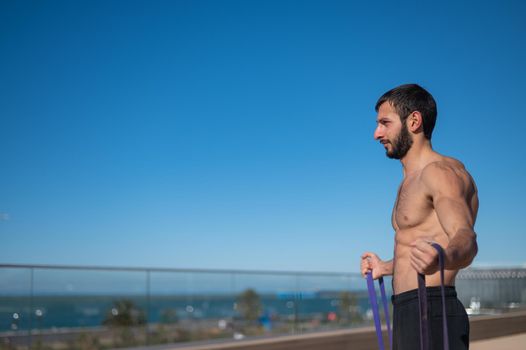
249,305
122,318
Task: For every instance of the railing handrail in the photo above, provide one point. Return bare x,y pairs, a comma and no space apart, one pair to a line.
168,269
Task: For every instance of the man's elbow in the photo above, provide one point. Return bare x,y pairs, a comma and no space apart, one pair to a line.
474,249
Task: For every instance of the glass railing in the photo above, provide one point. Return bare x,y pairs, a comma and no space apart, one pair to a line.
68,307
56,307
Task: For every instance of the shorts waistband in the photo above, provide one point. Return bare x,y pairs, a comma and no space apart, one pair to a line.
432,292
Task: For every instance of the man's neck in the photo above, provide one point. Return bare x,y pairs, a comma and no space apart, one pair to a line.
419,155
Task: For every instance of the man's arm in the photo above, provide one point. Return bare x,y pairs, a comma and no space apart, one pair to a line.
450,191
387,268
461,250
380,268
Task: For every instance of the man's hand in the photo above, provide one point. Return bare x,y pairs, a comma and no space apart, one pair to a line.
371,262
424,258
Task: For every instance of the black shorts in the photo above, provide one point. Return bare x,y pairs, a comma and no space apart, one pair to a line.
406,320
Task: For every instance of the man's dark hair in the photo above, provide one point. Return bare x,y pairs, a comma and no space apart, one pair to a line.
409,98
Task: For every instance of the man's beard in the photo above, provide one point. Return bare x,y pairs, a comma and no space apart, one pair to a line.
401,145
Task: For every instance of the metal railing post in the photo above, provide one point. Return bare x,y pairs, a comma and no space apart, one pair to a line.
148,296
31,296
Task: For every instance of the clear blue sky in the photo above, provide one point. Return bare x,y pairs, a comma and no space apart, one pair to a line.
238,134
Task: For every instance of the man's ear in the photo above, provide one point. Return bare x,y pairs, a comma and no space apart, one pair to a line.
415,121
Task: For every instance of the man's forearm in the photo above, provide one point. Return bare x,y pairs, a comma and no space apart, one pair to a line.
387,268
461,250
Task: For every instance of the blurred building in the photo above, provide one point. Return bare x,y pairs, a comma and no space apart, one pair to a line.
492,288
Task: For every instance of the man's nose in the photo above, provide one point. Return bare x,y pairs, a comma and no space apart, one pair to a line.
378,132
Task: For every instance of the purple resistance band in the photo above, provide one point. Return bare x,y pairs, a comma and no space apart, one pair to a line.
376,312
422,302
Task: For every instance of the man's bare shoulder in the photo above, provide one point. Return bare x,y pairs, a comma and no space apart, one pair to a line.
447,174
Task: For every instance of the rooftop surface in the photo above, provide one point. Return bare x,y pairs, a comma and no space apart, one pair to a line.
511,342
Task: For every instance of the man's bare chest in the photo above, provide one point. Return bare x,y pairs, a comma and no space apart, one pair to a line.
413,205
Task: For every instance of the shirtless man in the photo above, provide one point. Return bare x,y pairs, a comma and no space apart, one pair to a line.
437,202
